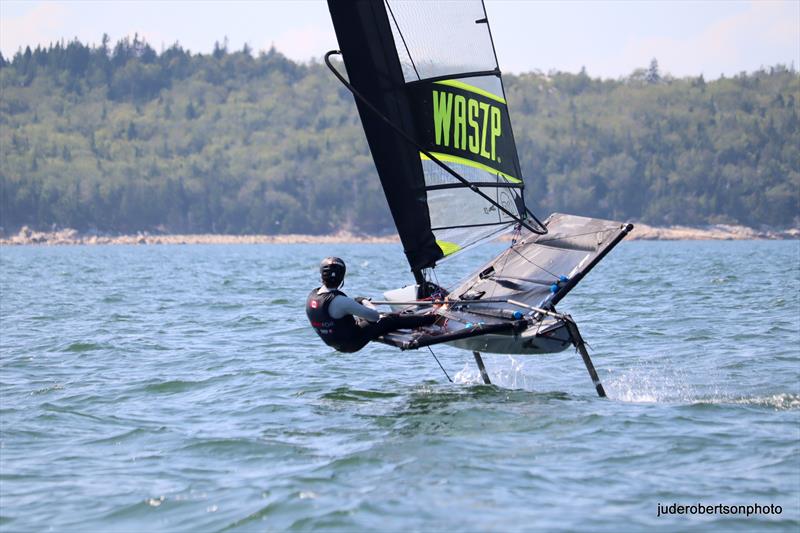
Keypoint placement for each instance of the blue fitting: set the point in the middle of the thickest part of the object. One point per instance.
(554, 288)
(517, 315)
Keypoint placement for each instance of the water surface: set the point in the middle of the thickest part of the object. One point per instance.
(179, 388)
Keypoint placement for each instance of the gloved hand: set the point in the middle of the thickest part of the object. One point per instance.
(366, 302)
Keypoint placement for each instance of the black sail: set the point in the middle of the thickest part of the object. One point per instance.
(432, 103)
(365, 39)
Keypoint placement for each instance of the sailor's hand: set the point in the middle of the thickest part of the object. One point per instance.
(366, 302)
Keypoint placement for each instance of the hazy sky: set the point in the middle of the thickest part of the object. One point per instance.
(609, 38)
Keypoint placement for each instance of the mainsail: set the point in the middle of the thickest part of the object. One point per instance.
(431, 100)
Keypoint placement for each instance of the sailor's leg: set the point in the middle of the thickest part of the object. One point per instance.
(362, 335)
(369, 331)
(392, 322)
(580, 345)
(482, 368)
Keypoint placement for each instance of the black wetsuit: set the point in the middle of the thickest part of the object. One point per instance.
(347, 334)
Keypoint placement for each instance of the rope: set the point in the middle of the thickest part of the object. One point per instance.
(534, 264)
(562, 237)
(517, 233)
(403, 38)
(440, 365)
(494, 287)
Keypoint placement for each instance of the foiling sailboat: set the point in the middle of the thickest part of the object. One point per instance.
(430, 95)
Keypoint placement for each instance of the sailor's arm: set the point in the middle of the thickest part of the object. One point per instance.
(344, 305)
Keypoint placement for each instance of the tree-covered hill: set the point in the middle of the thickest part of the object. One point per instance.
(125, 139)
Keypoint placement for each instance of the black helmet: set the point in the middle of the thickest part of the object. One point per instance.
(332, 271)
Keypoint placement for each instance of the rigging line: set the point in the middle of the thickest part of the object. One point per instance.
(440, 365)
(485, 20)
(530, 213)
(562, 237)
(402, 38)
(435, 277)
(531, 262)
(361, 98)
(483, 239)
(519, 278)
(517, 231)
(507, 223)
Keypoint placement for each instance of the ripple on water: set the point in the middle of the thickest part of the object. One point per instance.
(180, 388)
(348, 394)
(135, 434)
(244, 449)
(80, 347)
(177, 385)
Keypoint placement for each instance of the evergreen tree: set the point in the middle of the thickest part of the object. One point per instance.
(652, 75)
(121, 138)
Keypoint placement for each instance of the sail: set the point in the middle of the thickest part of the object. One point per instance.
(536, 271)
(434, 111)
(540, 270)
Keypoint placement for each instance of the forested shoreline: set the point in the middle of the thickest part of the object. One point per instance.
(123, 139)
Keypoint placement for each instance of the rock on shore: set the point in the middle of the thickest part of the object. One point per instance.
(71, 236)
(641, 232)
(717, 232)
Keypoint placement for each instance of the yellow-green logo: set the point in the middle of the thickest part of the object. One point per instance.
(466, 124)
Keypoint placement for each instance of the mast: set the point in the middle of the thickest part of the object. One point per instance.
(373, 67)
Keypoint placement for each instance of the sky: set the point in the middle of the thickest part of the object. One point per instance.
(609, 38)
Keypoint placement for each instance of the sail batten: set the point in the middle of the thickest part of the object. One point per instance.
(447, 158)
(467, 87)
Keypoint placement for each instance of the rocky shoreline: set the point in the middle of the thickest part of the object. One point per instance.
(27, 236)
(715, 232)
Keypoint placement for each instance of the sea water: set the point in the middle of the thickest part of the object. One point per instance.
(180, 388)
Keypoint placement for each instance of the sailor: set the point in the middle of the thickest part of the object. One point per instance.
(347, 324)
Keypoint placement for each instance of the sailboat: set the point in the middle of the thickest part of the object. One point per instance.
(430, 95)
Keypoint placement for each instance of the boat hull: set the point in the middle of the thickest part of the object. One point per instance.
(550, 337)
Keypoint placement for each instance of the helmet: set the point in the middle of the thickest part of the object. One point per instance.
(332, 270)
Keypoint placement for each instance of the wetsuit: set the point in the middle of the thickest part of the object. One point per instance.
(332, 314)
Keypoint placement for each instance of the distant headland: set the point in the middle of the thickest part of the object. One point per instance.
(121, 137)
(27, 236)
